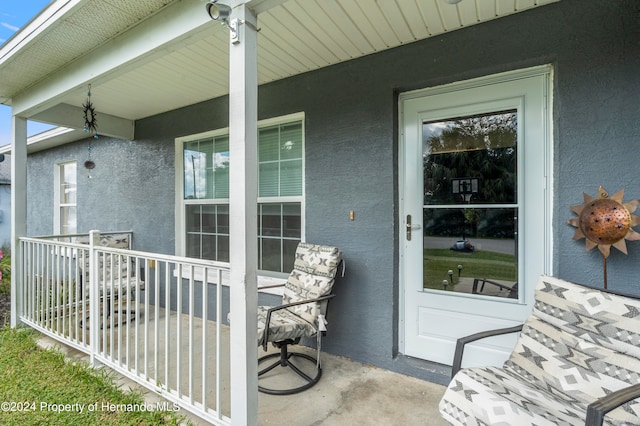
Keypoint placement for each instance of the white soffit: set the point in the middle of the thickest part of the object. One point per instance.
(49, 43)
(296, 36)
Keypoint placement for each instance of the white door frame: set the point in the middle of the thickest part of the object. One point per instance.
(546, 132)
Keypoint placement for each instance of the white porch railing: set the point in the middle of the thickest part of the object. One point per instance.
(142, 314)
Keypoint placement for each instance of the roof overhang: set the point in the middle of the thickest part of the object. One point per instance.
(145, 57)
(49, 139)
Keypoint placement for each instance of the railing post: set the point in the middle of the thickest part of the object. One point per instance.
(94, 296)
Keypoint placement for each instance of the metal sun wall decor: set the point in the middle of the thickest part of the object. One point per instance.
(90, 126)
(604, 222)
(90, 122)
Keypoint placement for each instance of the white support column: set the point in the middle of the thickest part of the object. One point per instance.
(18, 210)
(243, 147)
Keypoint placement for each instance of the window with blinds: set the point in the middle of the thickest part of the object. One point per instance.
(280, 195)
(206, 168)
(280, 160)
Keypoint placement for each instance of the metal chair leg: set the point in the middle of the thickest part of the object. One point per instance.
(284, 359)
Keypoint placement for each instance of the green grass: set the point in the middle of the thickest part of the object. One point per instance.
(477, 264)
(37, 384)
(5, 268)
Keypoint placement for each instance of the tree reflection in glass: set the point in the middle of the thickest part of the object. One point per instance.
(471, 203)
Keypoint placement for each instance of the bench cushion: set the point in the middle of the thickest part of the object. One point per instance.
(483, 396)
(573, 369)
(603, 318)
(580, 344)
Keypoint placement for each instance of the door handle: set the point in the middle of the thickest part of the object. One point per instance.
(410, 227)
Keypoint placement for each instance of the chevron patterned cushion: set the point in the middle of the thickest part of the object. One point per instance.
(580, 344)
(120, 262)
(483, 396)
(603, 318)
(313, 275)
(283, 325)
(121, 277)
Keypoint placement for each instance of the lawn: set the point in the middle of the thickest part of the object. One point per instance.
(41, 387)
(477, 264)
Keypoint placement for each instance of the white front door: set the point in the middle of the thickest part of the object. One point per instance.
(475, 206)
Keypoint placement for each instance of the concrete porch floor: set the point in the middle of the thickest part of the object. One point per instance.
(348, 393)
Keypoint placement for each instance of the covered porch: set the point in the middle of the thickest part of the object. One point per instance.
(164, 56)
(162, 76)
(169, 337)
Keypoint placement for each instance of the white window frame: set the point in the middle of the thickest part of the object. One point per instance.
(57, 193)
(264, 277)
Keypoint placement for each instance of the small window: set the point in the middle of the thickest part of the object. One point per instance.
(65, 190)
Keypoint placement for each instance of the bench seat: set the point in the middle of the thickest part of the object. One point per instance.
(580, 345)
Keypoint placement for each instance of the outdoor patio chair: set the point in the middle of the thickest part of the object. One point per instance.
(116, 276)
(302, 314)
(498, 289)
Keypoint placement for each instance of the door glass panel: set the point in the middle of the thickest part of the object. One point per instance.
(470, 204)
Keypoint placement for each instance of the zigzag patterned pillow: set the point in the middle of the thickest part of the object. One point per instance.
(314, 272)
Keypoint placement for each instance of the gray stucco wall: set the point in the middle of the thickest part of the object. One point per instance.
(131, 188)
(351, 155)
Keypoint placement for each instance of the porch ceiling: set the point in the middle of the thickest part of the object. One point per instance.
(296, 36)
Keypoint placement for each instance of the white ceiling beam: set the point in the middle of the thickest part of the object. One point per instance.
(150, 39)
(65, 115)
